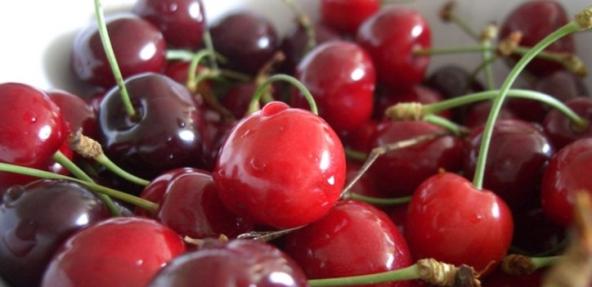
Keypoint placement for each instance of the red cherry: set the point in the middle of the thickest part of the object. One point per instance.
(418, 94)
(295, 45)
(347, 15)
(281, 167)
(372, 241)
(116, 252)
(238, 97)
(76, 112)
(365, 186)
(390, 37)
(158, 186)
(534, 232)
(32, 130)
(341, 77)
(182, 22)
(449, 220)
(561, 130)
(361, 139)
(478, 113)
(58, 168)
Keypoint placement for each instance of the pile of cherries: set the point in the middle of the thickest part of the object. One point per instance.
(224, 151)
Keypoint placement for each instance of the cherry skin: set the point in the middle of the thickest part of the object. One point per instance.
(419, 94)
(76, 112)
(449, 220)
(534, 233)
(372, 241)
(390, 37)
(477, 114)
(341, 77)
(560, 129)
(536, 20)
(116, 252)
(33, 129)
(167, 134)
(295, 45)
(399, 173)
(233, 265)
(347, 15)
(281, 167)
(562, 85)
(34, 221)
(518, 155)
(238, 97)
(158, 187)
(139, 47)
(247, 40)
(182, 22)
(500, 279)
(566, 174)
(453, 81)
(361, 139)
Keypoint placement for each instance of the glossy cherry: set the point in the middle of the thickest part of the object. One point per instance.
(32, 128)
(246, 39)
(76, 112)
(139, 47)
(240, 263)
(34, 221)
(238, 97)
(390, 37)
(449, 220)
(372, 241)
(116, 252)
(341, 77)
(361, 139)
(400, 172)
(347, 15)
(295, 45)
(419, 94)
(158, 187)
(167, 134)
(477, 114)
(453, 81)
(182, 22)
(561, 130)
(518, 155)
(281, 167)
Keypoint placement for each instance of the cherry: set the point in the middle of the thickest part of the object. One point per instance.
(247, 40)
(361, 139)
(139, 47)
(365, 186)
(341, 77)
(561, 130)
(500, 279)
(294, 45)
(32, 128)
(400, 172)
(562, 85)
(371, 241)
(517, 157)
(182, 22)
(281, 167)
(451, 221)
(116, 252)
(478, 113)
(216, 134)
(419, 94)
(390, 37)
(238, 97)
(347, 15)
(167, 134)
(158, 187)
(453, 81)
(566, 174)
(239, 263)
(34, 221)
(536, 20)
(534, 233)
(76, 112)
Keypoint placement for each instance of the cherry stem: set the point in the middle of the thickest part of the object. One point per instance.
(108, 48)
(378, 200)
(181, 55)
(451, 126)
(304, 21)
(451, 50)
(254, 104)
(483, 65)
(128, 198)
(403, 274)
(489, 33)
(63, 160)
(207, 37)
(499, 100)
(114, 168)
(447, 14)
(515, 264)
(356, 154)
(267, 235)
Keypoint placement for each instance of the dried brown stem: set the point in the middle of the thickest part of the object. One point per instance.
(85, 146)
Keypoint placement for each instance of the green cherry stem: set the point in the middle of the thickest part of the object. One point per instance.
(110, 165)
(106, 42)
(403, 274)
(567, 29)
(378, 200)
(450, 50)
(207, 37)
(516, 264)
(489, 33)
(180, 55)
(355, 154)
(192, 71)
(254, 104)
(451, 126)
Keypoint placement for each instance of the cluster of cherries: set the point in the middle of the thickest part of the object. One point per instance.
(189, 175)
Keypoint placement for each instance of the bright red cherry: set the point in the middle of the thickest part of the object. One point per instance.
(76, 112)
(449, 220)
(32, 128)
(390, 37)
(341, 77)
(420, 94)
(347, 15)
(372, 241)
(561, 130)
(139, 47)
(182, 22)
(123, 251)
(158, 187)
(281, 167)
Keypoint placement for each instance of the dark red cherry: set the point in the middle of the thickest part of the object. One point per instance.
(477, 114)
(341, 77)
(157, 188)
(281, 167)
(419, 94)
(560, 129)
(167, 134)
(139, 47)
(534, 233)
(365, 185)
(500, 279)
(182, 22)
(295, 45)
(449, 220)
(217, 131)
(361, 139)
(372, 241)
(347, 15)
(390, 37)
(240, 263)
(238, 97)
(400, 172)
(562, 85)
(536, 20)
(567, 173)
(76, 112)
(453, 81)
(116, 252)
(518, 155)
(32, 130)
(34, 221)
(247, 40)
